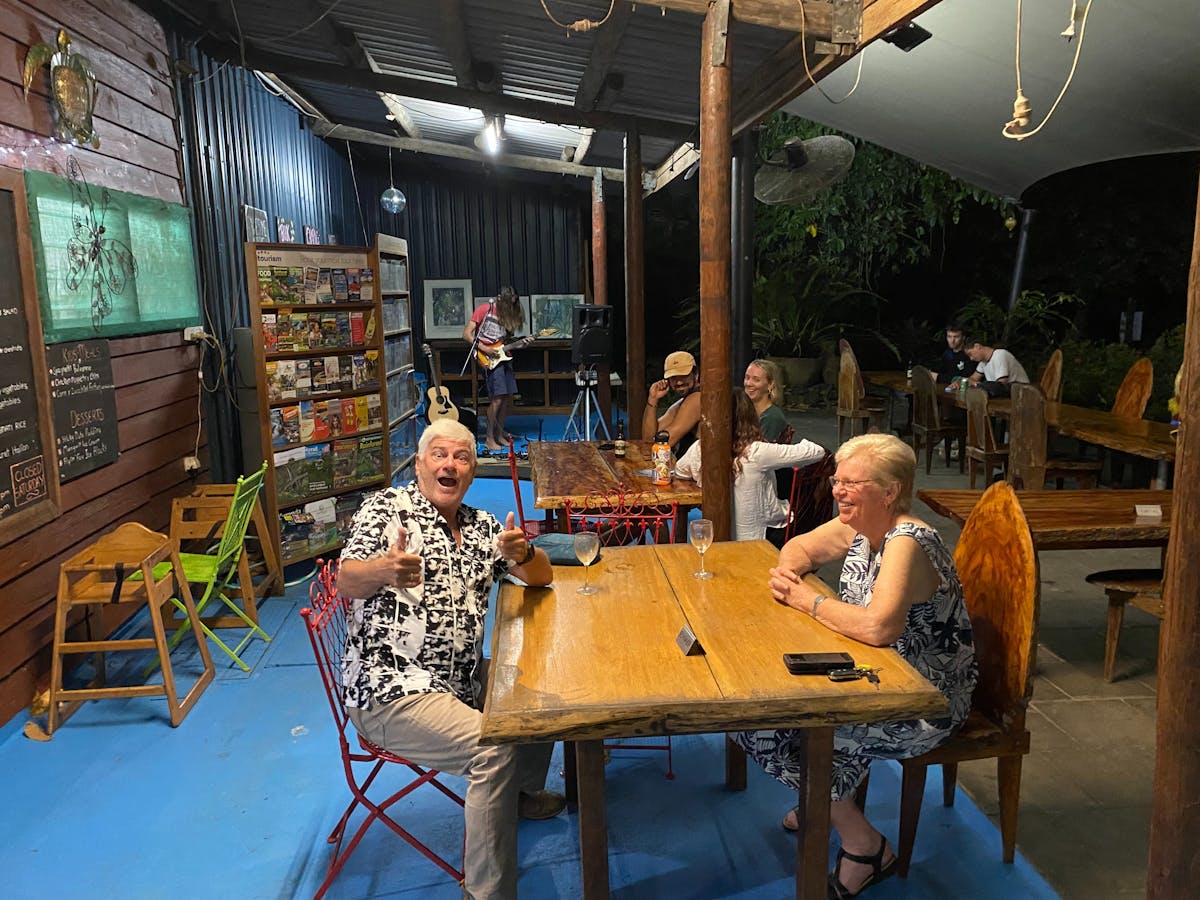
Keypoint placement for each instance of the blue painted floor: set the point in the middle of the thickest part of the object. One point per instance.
(239, 799)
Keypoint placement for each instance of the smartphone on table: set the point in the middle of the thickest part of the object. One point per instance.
(817, 663)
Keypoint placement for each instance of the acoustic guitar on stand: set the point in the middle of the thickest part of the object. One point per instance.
(495, 354)
(439, 406)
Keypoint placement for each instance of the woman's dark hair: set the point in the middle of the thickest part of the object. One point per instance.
(508, 309)
(746, 429)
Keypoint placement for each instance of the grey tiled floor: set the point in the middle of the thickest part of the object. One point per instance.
(1086, 785)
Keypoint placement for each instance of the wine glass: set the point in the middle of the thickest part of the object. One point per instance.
(587, 545)
(701, 534)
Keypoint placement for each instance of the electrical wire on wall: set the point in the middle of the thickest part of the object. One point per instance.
(808, 72)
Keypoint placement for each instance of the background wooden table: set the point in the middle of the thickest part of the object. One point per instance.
(583, 668)
(571, 470)
(1073, 520)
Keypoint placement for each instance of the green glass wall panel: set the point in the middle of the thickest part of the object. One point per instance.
(160, 296)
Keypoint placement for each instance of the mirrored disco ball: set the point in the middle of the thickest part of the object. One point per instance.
(393, 200)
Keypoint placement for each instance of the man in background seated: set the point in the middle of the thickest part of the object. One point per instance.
(419, 564)
(994, 365)
(681, 375)
(954, 362)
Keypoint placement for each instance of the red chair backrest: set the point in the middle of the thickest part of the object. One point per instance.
(811, 500)
(530, 531)
(621, 516)
(325, 619)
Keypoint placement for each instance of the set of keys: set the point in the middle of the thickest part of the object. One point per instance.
(868, 672)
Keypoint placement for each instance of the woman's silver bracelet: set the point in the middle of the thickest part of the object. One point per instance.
(817, 601)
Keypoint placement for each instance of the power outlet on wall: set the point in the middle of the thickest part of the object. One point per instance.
(191, 464)
(194, 333)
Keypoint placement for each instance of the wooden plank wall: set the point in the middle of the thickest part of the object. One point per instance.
(155, 375)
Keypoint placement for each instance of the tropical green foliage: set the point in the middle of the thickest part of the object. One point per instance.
(888, 213)
(797, 311)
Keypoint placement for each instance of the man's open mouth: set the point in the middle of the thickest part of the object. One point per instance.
(448, 482)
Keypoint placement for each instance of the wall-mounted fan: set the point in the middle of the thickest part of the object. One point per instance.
(803, 169)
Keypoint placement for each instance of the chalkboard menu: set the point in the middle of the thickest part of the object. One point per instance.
(85, 406)
(28, 472)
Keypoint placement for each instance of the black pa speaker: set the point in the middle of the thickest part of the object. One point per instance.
(591, 338)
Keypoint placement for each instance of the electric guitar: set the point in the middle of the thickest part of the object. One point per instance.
(439, 406)
(495, 354)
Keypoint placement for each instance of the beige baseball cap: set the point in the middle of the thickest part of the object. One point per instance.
(679, 363)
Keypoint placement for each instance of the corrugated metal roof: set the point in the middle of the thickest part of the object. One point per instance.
(658, 57)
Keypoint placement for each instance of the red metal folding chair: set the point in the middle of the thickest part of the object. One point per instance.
(325, 619)
(621, 516)
(531, 529)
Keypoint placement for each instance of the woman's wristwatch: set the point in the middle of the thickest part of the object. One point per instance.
(817, 601)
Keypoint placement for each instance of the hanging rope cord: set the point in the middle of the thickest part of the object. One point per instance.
(1021, 107)
(580, 25)
(808, 72)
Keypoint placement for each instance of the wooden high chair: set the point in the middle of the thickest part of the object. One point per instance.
(99, 576)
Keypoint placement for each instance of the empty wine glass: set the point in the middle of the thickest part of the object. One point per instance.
(701, 534)
(587, 545)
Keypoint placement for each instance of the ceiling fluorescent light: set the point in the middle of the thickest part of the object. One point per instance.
(491, 137)
(907, 36)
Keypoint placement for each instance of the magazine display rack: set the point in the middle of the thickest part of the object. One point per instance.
(317, 333)
(390, 260)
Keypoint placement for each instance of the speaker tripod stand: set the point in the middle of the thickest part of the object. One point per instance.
(586, 379)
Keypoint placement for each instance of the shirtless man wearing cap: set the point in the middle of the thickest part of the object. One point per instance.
(680, 375)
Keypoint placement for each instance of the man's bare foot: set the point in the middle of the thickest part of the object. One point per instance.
(490, 445)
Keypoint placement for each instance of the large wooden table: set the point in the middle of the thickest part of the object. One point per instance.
(1137, 437)
(569, 667)
(572, 470)
(1073, 520)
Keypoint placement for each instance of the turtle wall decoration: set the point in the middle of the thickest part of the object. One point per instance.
(72, 88)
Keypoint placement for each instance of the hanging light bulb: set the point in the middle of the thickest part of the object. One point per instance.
(392, 200)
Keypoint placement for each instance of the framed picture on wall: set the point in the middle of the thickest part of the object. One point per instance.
(526, 314)
(257, 226)
(311, 235)
(554, 311)
(285, 229)
(449, 303)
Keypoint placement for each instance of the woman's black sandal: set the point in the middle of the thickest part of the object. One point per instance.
(838, 891)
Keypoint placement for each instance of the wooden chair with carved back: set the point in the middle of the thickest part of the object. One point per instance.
(1130, 403)
(983, 450)
(853, 404)
(998, 567)
(1028, 463)
(1134, 392)
(1050, 380)
(929, 425)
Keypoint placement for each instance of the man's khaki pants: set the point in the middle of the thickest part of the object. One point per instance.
(441, 732)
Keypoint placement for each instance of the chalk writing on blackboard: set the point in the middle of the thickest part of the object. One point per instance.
(84, 402)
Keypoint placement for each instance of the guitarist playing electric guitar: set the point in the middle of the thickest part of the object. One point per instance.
(490, 325)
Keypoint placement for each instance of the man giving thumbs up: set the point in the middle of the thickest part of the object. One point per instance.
(421, 563)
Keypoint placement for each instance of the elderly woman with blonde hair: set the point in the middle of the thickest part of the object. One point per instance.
(898, 588)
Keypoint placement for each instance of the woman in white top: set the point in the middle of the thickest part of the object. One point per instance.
(756, 505)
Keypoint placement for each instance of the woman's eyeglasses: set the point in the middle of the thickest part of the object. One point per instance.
(847, 483)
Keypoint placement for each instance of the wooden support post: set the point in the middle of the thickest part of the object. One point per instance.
(1174, 814)
(716, 150)
(600, 288)
(635, 292)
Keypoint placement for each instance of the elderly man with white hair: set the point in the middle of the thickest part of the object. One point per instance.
(420, 564)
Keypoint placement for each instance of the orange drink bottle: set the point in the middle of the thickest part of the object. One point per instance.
(660, 458)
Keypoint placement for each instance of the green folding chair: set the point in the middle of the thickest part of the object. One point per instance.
(204, 517)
